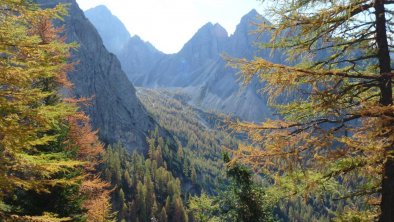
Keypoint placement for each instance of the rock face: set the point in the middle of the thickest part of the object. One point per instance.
(185, 68)
(112, 31)
(115, 109)
(200, 71)
(137, 55)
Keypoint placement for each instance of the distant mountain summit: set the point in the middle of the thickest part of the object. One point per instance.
(111, 29)
(209, 41)
(242, 42)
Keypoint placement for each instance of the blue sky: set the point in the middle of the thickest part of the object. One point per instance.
(169, 24)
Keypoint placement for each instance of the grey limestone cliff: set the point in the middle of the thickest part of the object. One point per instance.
(115, 109)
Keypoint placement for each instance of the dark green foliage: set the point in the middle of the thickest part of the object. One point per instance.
(62, 201)
(244, 200)
(145, 188)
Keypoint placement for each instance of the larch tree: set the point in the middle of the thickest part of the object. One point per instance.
(48, 152)
(334, 95)
(28, 63)
(202, 208)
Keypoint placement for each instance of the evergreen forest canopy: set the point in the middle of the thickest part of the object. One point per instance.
(328, 156)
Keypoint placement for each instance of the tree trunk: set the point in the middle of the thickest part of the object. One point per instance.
(386, 99)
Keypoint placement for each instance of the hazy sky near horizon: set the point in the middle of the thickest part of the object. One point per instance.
(169, 24)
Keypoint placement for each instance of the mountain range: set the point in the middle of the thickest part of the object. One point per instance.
(198, 69)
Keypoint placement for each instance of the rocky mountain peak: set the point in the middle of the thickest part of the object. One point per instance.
(111, 29)
(219, 31)
(250, 15)
(208, 42)
(100, 9)
(246, 23)
(248, 20)
(242, 42)
(210, 30)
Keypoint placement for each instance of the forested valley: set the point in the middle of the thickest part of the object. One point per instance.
(288, 118)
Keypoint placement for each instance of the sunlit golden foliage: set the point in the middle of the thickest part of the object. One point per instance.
(90, 150)
(84, 140)
(29, 104)
(335, 133)
(98, 203)
(45, 144)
